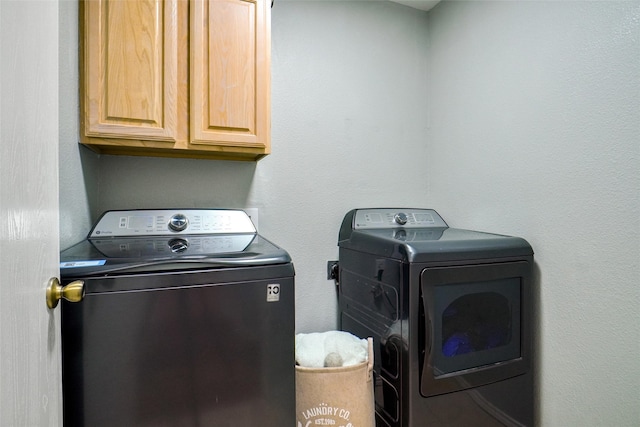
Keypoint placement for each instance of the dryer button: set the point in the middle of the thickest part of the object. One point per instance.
(401, 218)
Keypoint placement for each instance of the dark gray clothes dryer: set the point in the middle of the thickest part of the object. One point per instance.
(451, 314)
(187, 319)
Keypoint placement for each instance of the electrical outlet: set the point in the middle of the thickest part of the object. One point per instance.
(332, 271)
(253, 214)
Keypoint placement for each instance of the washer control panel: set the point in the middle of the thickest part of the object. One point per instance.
(162, 222)
(394, 218)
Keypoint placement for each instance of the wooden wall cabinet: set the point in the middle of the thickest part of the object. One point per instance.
(176, 78)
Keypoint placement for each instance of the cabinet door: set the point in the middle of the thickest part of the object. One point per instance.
(130, 73)
(230, 75)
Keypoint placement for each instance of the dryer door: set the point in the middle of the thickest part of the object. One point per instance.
(477, 325)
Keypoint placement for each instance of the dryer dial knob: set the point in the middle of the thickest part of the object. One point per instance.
(178, 222)
(401, 218)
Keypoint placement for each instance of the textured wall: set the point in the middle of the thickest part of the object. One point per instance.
(535, 130)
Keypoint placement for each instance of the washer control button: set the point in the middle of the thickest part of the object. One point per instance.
(178, 222)
(401, 218)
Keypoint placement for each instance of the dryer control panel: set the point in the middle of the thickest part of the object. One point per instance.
(397, 217)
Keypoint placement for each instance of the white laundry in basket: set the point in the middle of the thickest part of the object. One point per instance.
(331, 348)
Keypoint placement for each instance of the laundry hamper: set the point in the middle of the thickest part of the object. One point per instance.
(340, 397)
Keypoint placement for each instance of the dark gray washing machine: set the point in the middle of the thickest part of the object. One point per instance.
(451, 314)
(187, 319)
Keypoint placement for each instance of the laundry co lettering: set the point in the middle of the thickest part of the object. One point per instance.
(327, 411)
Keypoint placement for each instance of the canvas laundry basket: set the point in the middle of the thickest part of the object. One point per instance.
(339, 397)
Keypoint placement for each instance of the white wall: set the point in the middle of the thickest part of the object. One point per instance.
(78, 166)
(348, 130)
(535, 131)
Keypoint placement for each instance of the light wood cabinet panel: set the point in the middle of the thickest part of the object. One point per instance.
(176, 78)
(131, 69)
(229, 78)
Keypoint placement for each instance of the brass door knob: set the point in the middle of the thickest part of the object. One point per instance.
(73, 292)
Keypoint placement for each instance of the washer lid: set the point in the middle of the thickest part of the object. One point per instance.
(150, 240)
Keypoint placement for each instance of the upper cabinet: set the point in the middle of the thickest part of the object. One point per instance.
(176, 78)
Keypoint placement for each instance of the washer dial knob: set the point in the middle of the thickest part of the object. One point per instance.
(178, 246)
(178, 222)
(401, 218)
